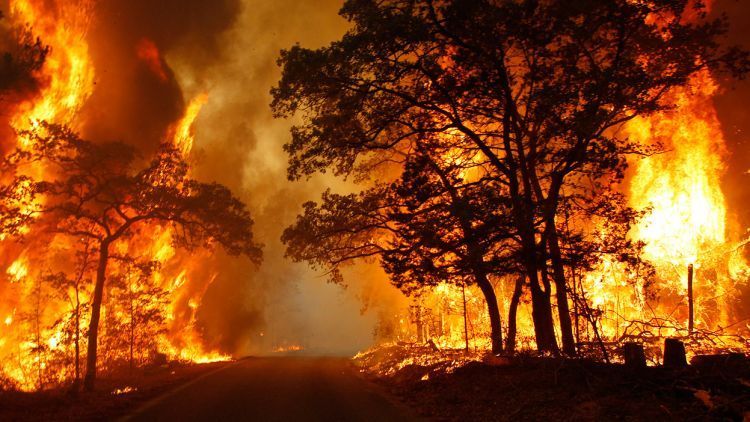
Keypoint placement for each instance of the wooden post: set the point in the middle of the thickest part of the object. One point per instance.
(416, 319)
(691, 315)
(420, 326)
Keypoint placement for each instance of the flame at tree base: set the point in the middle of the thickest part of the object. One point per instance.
(686, 224)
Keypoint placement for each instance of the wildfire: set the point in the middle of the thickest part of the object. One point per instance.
(287, 349)
(688, 217)
(686, 223)
(18, 270)
(66, 82)
(68, 72)
(182, 132)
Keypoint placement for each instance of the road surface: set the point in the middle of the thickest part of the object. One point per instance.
(276, 389)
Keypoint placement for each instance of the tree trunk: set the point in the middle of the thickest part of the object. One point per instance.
(523, 211)
(493, 310)
(132, 327)
(541, 313)
(510, 345)
(691, 314)
(576, 310)
(420, 326)
(38, 331)
(96, 304)
(561, 293)
(555, 255)
(78, 339)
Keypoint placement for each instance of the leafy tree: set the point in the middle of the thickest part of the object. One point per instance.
(434, 224)
(103, 192)
(538, 88)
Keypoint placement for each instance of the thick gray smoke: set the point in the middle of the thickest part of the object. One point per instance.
(228, 49)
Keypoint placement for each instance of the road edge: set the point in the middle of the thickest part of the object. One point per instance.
(158, 399)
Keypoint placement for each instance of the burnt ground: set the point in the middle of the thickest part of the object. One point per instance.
(529, 388)
(104, 403)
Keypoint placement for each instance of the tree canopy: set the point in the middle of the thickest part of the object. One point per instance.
(534, 91)
(105, 192)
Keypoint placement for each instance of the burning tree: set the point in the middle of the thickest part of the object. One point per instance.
(104, 192)
(536, 90)
(18, 65)
(141, 306)
(72, 289)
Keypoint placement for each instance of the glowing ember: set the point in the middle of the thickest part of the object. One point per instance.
(124, 390)
(286, 349)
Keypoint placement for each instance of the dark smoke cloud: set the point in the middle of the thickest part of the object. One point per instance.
(732, 107)
(131, 102)
(228, 49)
(241, 147)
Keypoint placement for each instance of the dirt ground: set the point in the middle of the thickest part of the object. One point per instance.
(114, 396)
(532, 388)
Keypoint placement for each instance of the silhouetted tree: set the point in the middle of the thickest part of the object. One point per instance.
(435, 224)
(104, 193)
(24, 56)
(538, 88)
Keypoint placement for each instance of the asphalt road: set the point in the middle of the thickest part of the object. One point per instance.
(276, 389)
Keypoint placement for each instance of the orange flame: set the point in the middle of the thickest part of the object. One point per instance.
(66, 83)
(686, 223)
(182, 133)
(149, 53)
